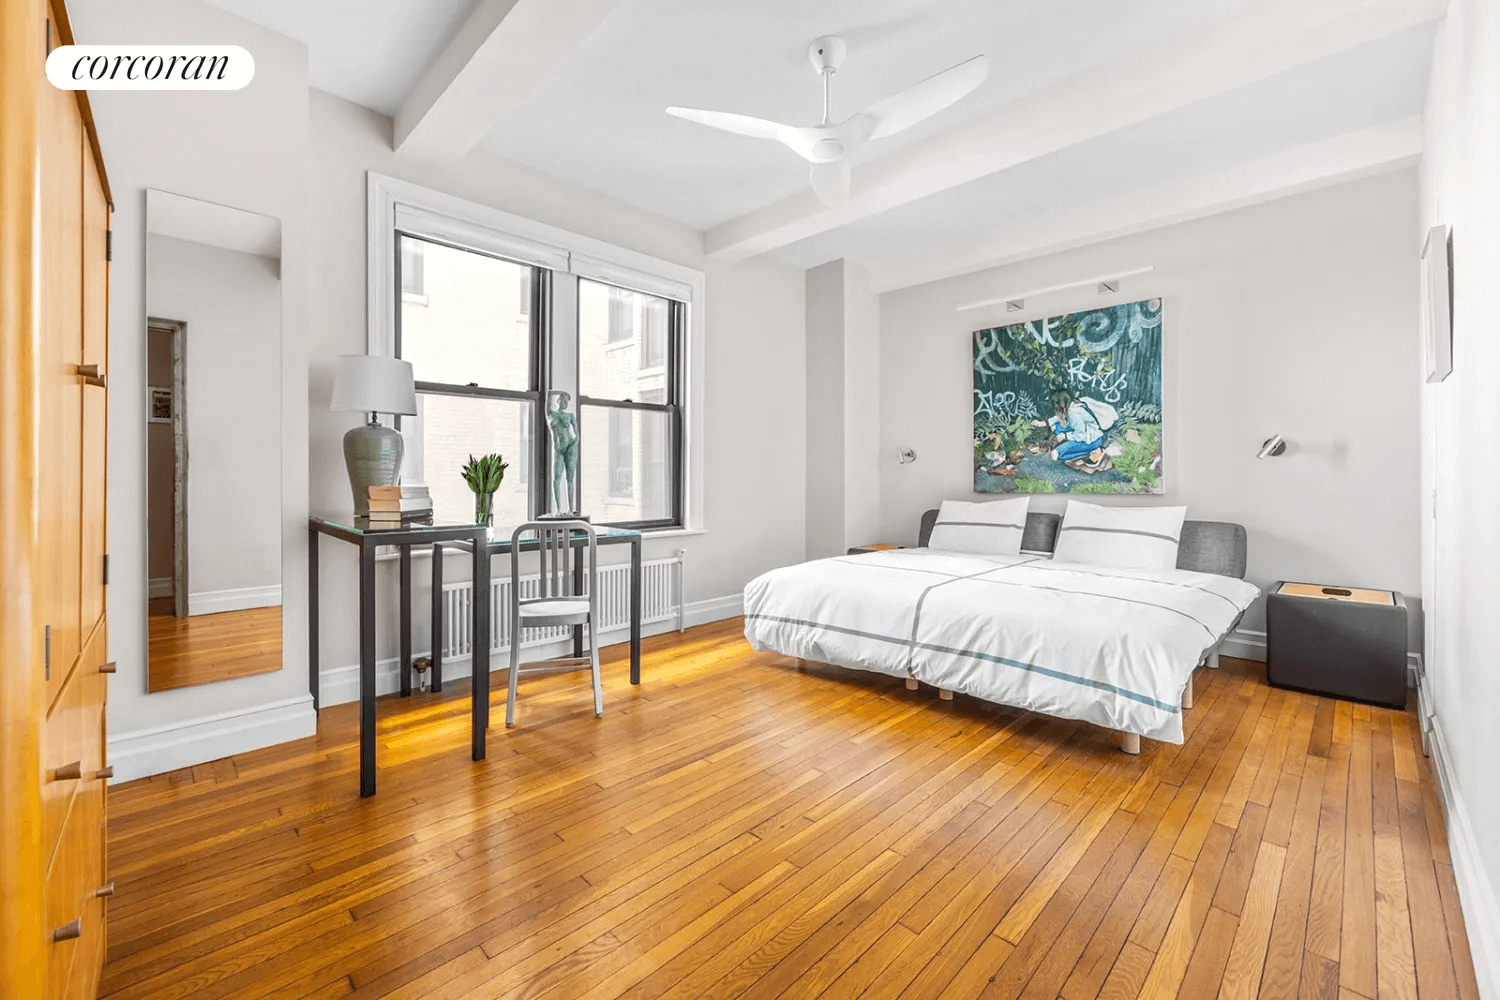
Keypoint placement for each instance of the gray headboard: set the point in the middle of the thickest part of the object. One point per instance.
(1205, 547)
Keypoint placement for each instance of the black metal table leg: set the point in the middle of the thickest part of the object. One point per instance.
(480, 660)
(312, 615)
(635, 610)
(437, 618)
(366, 670)
(406, 620)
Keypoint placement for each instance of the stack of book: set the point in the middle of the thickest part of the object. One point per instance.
(399, 506)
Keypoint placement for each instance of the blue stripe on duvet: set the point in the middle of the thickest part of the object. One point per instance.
(1033, 668)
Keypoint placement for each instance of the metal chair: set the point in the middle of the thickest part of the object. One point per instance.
(555, 603)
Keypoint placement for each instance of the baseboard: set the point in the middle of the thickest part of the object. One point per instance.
(1475, 890)
(340, 685)
(145, 752)
(212, 602)
(161, 586)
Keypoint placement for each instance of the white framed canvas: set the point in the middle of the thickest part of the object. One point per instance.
(159, 405)
(1437, 302)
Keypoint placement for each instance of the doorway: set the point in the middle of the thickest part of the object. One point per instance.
(167, 467)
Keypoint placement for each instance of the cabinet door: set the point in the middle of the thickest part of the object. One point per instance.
(95, 352)
(61, 146)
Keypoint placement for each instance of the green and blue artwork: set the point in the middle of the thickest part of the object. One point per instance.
(1070, 404)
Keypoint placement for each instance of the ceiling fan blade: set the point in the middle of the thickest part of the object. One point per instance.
(830, 182)
(928, 97)
(757, 128)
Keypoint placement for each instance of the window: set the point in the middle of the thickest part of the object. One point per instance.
(495, 312)
(628, 414)
(473, 351)
(621, 315)
(621, 453)
(411, 268)
(654, 333)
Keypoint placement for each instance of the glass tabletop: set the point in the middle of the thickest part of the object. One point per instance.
(498, 534)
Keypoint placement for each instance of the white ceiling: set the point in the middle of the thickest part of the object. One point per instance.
(205, 222)
(1380, 82)
(598, 119)
(371, 52)
(593, 113)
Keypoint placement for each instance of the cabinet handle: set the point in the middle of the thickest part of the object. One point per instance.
(105, 772)
(68, 932)
(107, 668)
(68, 771)
(105, 891)
(91, 375)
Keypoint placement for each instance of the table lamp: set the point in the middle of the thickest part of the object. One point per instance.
(373, 453)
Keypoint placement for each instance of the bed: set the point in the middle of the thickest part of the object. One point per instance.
(1114, 647)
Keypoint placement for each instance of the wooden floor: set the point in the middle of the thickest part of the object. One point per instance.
(202, 649)
(738, 827)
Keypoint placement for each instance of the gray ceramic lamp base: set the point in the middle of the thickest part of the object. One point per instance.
(373, 454)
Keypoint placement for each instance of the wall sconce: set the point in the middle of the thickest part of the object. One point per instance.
(905, 456)
(1272, 446)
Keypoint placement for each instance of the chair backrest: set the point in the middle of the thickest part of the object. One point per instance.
(555, 543)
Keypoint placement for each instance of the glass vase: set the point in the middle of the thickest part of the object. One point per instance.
(484, 509)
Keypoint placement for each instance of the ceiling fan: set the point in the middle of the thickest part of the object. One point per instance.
(829, 146)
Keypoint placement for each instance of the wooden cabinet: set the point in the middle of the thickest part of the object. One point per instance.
(54, 343)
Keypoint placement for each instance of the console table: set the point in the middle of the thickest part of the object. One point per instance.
(367, 540)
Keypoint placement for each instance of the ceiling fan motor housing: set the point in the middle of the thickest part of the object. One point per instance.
(827, 53)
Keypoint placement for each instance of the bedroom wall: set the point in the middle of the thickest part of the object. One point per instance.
(246, 149)
(1461, 544)
(283, 150)
(755, 419)
(1296, 317)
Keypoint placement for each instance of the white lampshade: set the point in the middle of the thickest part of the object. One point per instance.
(373, 385)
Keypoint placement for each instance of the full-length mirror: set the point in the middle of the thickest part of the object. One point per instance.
(213, 441)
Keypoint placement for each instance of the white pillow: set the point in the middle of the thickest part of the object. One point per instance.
(992, 529)
(1124, 537)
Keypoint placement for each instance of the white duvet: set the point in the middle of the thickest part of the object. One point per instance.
(1110, 646)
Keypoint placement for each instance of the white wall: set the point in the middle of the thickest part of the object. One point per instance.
(246, 149)
(1461, 550)
(843, 409)
(1295, 317)
(231, 303)
(755, 424)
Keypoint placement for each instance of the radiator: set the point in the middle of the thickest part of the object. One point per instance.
(661, 600)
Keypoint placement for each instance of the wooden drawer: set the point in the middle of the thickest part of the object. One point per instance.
(71, 894)
(73, 734)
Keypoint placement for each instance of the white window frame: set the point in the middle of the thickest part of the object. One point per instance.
(423, 212)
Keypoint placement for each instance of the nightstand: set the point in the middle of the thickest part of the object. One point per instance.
(862, 549)
(1340, 641)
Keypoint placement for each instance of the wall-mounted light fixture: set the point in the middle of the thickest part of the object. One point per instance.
(1272, 446)
(1107, 284)
(905, 456)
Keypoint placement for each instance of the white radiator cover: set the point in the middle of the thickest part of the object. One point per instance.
(661, 600)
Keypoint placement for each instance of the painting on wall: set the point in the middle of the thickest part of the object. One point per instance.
(1071, 404)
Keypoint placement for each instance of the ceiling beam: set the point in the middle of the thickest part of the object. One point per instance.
(1303, 168)
(1262, 39)
(502, 52)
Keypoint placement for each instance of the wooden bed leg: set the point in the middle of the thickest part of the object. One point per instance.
(1130, 742)
(1187, 693)
(945, 694)
(911, 684)
(1213, 658)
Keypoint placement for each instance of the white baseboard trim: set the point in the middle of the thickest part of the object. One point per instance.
(340, 685)
(1475, 890)
(212, 602)
(145, 752)
(161, 586)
